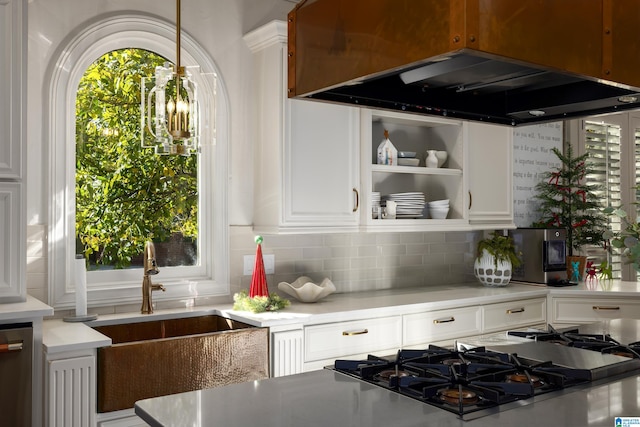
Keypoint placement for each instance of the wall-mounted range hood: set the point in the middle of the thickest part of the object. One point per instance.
(511, 62)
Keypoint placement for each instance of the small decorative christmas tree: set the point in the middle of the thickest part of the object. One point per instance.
(566, 201)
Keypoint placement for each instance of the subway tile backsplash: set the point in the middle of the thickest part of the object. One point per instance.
(355, 262)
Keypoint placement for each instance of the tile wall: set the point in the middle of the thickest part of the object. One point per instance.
(353, 261)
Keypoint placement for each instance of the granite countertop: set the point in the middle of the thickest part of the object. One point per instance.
(323, 398)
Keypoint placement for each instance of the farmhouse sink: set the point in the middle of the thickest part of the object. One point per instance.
(161, 357)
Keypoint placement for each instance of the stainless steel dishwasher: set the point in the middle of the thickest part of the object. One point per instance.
(16, 354)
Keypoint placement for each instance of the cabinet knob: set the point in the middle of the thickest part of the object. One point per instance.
(600, 307)
(450, 319)
(515, 310)
(470, 200)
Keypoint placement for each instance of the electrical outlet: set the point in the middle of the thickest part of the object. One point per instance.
(250, 261)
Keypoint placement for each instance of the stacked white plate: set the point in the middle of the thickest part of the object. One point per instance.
(409, 205)
(438, 209)
(375, 203)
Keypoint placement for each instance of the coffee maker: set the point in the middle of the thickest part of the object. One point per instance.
(543, 254)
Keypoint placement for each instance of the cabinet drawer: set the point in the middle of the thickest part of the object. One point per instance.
(335, 340)
(423, 328)
(571, 310)
(513, 314)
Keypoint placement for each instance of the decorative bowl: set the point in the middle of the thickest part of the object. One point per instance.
(403, 161)
(406, 154)
(304, 290)
(438, 212)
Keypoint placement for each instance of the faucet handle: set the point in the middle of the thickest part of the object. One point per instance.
(158, 287)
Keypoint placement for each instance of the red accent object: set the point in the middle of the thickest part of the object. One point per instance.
(555, 176)
(259, 287)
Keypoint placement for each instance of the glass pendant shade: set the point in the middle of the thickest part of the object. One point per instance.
(170, 111)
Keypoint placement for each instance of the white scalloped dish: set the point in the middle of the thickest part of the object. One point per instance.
(304, 290)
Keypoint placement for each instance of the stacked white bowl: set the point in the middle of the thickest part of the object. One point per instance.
(438, 209)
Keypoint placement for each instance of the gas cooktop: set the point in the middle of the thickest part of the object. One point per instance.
(472, 381)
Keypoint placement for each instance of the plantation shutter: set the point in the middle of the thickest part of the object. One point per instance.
(603, 143)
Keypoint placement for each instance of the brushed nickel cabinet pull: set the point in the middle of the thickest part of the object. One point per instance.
(515, 310)
(351, 333)
(600, 307)
(6, 348)
(450, 319)
(355, 190)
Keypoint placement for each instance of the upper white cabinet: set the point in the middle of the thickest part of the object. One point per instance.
(12, 86)
(490, 175)
(476, 177)
(306, 153)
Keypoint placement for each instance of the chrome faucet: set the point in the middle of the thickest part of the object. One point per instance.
(150, 267)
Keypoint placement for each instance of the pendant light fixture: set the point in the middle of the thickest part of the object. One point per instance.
(169, 111)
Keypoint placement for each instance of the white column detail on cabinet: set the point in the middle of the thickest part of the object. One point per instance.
(306, 153)
(13, 53)
(71, 390)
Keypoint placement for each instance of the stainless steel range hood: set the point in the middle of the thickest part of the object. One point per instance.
(500, 61)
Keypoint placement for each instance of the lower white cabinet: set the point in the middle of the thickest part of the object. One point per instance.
(514, 314)
(326, 342)
(421, 329)
(71, 391)
(574, 310)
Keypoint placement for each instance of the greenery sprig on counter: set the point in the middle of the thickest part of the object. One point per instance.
(258, 304)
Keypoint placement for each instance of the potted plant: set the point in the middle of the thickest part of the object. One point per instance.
(627, 239)
(495, 260)
(566, 201)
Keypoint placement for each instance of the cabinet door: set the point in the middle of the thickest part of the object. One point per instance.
(12, 86)
(321, 165)
(12, 244)
(490, 179)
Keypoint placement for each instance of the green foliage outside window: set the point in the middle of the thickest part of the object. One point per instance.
(126, 195)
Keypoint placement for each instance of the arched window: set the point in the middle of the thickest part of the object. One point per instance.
(82, 121)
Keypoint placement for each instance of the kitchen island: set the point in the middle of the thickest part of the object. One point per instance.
(327, 398)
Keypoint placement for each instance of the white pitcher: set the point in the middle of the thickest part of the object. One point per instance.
(431, 160)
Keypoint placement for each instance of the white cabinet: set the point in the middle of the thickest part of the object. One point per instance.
(576, 310)
(13, 73)
(490, 153)
(306, 153)
(13, 51)
(476, 177)
(418, 134)
(324, 343)
(421, 329)
(513, 314)
(12, 243)
(287, 352)
(71, 391)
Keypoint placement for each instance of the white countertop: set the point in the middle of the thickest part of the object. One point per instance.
(29, 309)
(62, 336)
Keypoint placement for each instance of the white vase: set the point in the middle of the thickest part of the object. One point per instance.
(489, 274)
(432, 159)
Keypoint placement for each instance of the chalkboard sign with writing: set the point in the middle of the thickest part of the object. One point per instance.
(532, 157)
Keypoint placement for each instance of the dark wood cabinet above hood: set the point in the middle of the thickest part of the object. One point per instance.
(503, 61)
